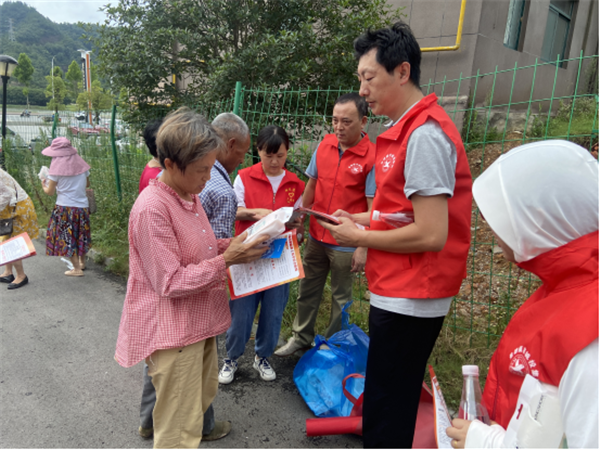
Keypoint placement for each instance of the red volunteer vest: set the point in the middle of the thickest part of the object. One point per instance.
(558, 321)
(341, 181)
(258, 192)
(427, 274)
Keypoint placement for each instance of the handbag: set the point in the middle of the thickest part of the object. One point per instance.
(91, 200)
(6, 225)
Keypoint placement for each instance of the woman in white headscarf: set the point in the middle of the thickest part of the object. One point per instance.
(541, 202)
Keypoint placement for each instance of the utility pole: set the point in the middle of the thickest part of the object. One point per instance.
(52, 75)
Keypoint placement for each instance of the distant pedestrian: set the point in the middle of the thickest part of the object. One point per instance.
(15, 203)
(152, 169)
(69, 226)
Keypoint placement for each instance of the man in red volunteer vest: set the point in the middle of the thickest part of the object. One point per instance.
(341, 176)
(413, 271)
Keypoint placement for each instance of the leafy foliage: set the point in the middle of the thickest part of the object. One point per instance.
(57, 90)
(98, 97)
(24, 73)
(210, 44)
(73, 78)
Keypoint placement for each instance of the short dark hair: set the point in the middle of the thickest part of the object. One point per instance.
(394, 45)
(150, 135)
(185, 137)
(270, 139)
(361, 104)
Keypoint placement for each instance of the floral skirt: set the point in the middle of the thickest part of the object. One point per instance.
(68, 232)
(25, 219)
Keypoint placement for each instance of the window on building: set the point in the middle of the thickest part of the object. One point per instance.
(514, 22)
(557, 30)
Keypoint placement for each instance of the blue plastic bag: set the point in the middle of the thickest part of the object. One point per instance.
(320, 372)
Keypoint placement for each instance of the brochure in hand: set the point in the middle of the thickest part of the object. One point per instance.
(272, 225)
(441, 415)
(16, 248)
(319, 215)
(257, 276)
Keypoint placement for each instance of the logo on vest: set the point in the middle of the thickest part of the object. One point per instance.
(521, 363)
(388, 162)
(290, 194)
(355, 168)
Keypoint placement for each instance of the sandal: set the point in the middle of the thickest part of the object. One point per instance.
(72, 273)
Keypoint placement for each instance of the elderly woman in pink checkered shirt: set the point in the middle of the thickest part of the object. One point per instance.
(176, 301)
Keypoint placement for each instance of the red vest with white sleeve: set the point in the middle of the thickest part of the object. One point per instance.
(427, 274)
(558, 321)
(341, 181)
(258, 192)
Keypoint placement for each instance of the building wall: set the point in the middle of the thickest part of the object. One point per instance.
(435, 23)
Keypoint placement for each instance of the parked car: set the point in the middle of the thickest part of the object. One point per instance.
(80, 115)
(85, 129)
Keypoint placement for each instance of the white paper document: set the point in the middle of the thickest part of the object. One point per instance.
(440, 413)
(262, 274)
(16, 248)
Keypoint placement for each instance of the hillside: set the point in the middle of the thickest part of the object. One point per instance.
(40, 39)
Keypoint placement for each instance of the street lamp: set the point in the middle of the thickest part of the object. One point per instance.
(7, 66)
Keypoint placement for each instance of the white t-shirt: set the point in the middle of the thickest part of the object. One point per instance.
(70, 191)
(238, 187)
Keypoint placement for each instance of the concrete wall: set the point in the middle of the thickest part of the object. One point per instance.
(435, 23)
(490, 51)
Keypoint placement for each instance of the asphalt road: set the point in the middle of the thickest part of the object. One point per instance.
(61, 388)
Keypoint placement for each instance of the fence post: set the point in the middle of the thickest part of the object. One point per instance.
(114, 151)
(238, 98)
(54, 124)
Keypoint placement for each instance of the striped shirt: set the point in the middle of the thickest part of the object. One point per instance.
(219, 201)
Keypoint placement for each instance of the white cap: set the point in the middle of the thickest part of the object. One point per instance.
(375, 215)
(470, 370)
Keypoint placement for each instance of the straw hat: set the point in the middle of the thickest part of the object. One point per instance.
(60, 147)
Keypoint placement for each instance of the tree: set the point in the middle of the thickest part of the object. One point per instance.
(57, 90)
(99, 98)
(24, 73)
(73, 78)
(214, 43)
(58, 72)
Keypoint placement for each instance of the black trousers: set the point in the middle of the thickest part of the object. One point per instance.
(398, 352)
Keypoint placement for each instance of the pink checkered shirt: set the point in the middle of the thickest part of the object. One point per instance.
(176, 294)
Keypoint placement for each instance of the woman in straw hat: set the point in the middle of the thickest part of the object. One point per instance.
(69, 226)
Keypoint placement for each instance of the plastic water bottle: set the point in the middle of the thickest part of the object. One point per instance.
(470, 400)
(396, 220)
(68, 263)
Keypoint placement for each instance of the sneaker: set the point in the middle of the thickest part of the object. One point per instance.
(227, 372)
(290, 348)
(264, 368)
(146, 433)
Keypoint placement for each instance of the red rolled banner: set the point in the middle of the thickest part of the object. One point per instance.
(334, 425)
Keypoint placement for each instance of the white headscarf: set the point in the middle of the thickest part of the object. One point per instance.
(540, 196)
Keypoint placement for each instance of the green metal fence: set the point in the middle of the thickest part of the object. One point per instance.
(493, 289)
